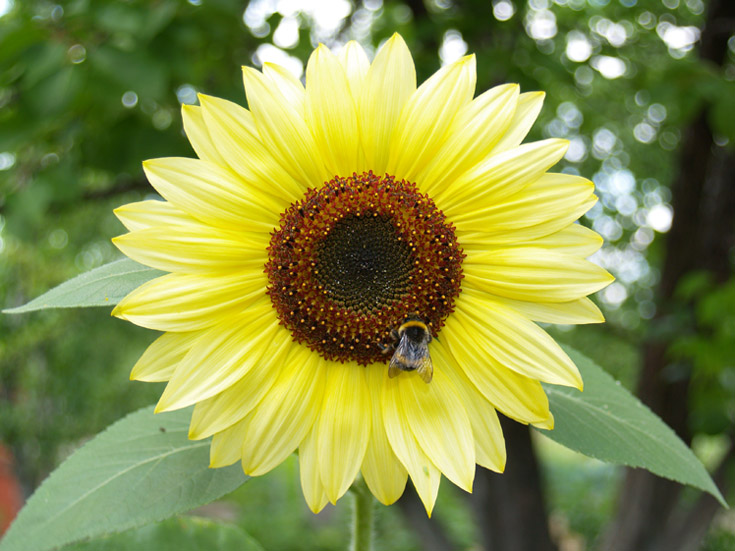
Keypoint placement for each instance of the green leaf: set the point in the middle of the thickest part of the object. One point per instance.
(103, 286)
(177, 534)
(608, 423)
(141, 469)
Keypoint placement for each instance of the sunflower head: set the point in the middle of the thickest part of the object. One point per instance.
(321, 240)
(356, 256)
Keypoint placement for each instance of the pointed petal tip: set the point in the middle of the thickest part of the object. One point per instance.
(428, 501)
(545, 424)
(560, 144)
(166, 403)
(249, 73)
(464, 61)
(149, 166)
(195, 433)
(536, 96)
(396, 38)
(467, 485)
(117, 210)
(512, 89)
(204, 99)
(117, 312)
(387, 500)
(316, 508)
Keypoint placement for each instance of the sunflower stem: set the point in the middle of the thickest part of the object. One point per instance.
(362, 521)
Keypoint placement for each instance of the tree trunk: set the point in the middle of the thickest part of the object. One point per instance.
(701, 235)
(509, 507)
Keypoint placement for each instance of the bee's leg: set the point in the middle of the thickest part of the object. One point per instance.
(385, 348)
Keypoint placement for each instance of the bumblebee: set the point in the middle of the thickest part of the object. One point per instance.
(411, 345)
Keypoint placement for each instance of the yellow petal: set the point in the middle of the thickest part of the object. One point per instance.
(472, 135)
(516, 342)
(211, 194)
(286, 83)
(330, 113)
(440, 424)
(516, 396)
(198, 134)
(311, 482)
(548, 424)
(390, 81)
(235, 402)
(343, 427)
(194, 247)
(422, 126)
(550, 197)
(356, 64)
(236, 137)
(383, 472)
(423, 472)
(221, 357)
(189, 302)
(529, 106)
(486, 430)
(161, 358)
(574, 240)
(280, 423)
(226, 447)
(574, 312)
(145, 214)
(496, 178)
(284, 131)
(533, 274)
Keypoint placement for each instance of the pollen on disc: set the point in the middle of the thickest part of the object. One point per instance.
(354, 257)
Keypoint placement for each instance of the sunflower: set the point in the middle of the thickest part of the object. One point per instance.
(334, 229)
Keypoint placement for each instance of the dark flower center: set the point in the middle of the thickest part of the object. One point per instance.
(353, 258)
(363, 264)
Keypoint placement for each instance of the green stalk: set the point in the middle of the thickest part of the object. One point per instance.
(362, 521)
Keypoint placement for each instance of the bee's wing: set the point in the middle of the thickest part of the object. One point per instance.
(401, 360)
(426, 368)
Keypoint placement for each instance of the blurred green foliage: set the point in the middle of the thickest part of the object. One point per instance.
(711, 351)
(89, 89)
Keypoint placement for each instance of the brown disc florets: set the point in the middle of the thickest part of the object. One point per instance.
(353, 258)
